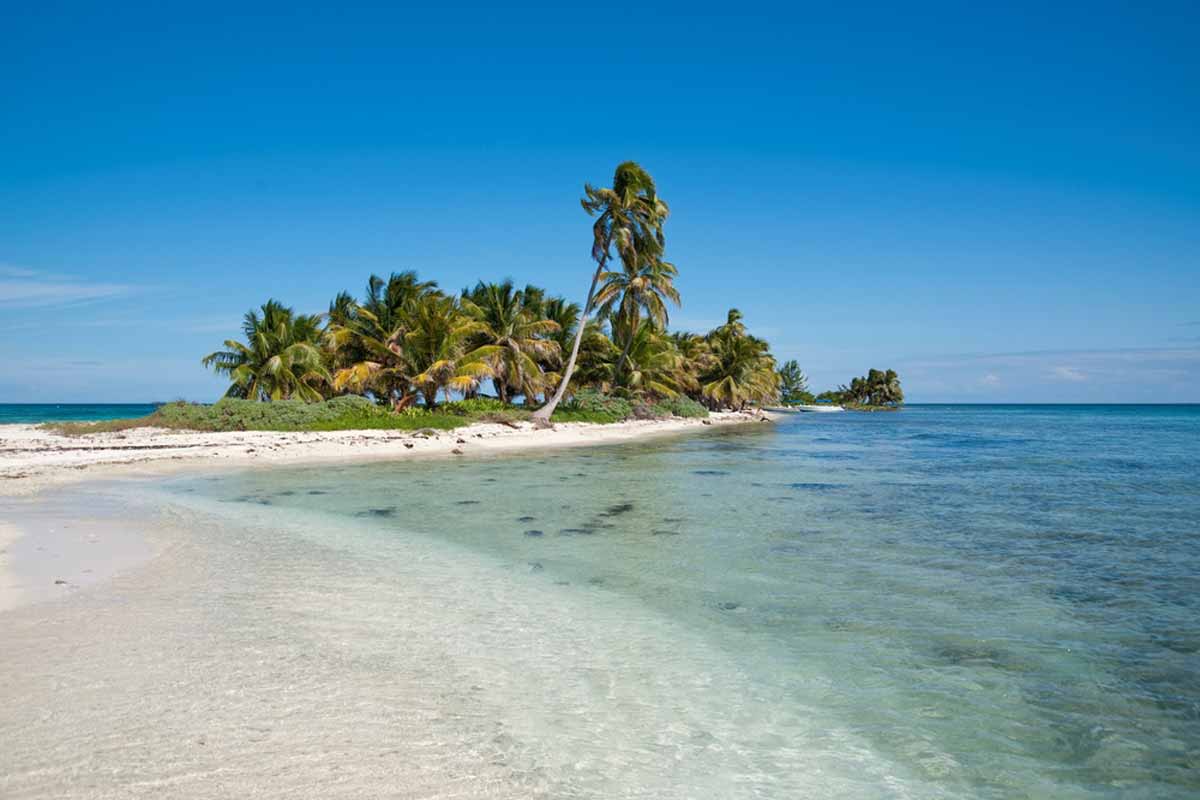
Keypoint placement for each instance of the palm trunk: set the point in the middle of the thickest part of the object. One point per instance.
(541, 417)
(633, 326)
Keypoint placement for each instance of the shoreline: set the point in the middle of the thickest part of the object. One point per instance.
(33, 459)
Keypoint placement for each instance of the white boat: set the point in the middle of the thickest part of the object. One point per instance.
(828, 408)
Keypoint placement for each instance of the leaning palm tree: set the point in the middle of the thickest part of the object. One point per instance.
(279, 360)
(517, 333)
(597, 363)
(629, 218)
(647, 287)
(566, 315)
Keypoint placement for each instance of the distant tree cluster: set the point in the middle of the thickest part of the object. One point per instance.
(878, 388)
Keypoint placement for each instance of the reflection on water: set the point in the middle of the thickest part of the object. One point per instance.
(985, 602)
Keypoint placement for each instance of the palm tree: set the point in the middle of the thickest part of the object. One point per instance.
(743, 370)
(629, 217)
(280, 359)
(533, 299)
(882, 388)
(628, 292)
(436, 348)
(517, 333)
(652, 360)
(365, 337)
(597, 358)
(387, 301)
(696, 359)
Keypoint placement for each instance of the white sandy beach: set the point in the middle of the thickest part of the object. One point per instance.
(32, 458)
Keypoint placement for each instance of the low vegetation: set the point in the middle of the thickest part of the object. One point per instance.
(352, 412)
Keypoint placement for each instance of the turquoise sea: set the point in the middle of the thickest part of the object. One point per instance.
(37, 413)
(946, 601)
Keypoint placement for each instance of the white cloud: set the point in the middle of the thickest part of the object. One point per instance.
(24, 288)
(991, 379)
(1068, 374)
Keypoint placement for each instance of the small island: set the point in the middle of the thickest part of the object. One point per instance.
(408, 368)
(408, 355)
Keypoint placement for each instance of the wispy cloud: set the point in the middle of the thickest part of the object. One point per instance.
(1157, 374)
(1068, 374)
(25, 288)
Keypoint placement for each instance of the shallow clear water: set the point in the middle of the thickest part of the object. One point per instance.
(940, 602)
(36, 413)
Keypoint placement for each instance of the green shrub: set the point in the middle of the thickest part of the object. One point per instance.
(348, 412)
(574, 415)
(681, 407)
(590, 401)
(352, 412)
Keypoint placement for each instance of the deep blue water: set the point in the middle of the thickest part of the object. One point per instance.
(34, 413)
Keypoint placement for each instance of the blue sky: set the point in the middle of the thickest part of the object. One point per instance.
(1002, 204)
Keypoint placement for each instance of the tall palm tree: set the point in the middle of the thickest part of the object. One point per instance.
(647, 287)
(517, 333)
(629, 218)
(280, 359)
